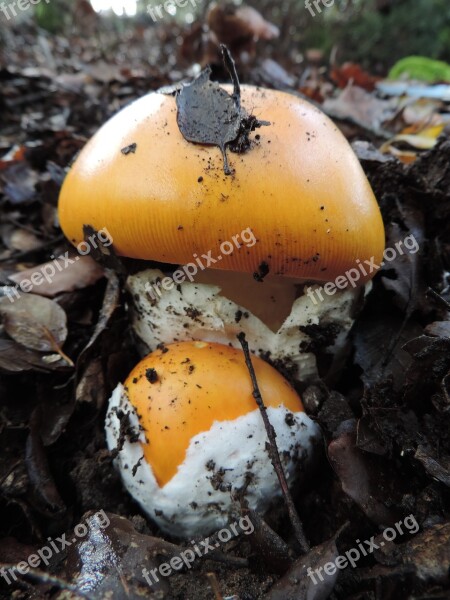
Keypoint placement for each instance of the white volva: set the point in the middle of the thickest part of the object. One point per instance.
(198, 499)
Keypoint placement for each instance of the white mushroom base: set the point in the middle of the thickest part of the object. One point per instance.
(198, 500)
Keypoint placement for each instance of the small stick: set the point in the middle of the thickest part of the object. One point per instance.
(438, 297)
(214, 585)
(230, 66)
(272, 450)
(42, 577)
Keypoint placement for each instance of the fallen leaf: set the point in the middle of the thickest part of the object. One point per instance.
(406, 266)
(81, 273)
(15, 358)
(43, 490)
(355, 74)
(434, 467)
(23, 240)
(270, 548)
(361, 107)
(364, 477)
(438, 329)
(296, 584)
(414, 90)
(109, 561)
(19, 183)
(429, 553)
(420, 68)
(425, 140)
(35, 322)
(207, 114)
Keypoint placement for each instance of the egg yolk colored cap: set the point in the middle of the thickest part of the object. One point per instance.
(300, 191)
(182, 390)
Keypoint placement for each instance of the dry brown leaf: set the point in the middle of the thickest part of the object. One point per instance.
(35, 322)
(80, 273)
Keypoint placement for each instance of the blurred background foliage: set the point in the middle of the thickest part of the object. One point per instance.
(375, 33)
(367, 31)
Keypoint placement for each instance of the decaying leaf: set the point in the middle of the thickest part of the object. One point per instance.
(15, 358)
(35, 322)
(109, 561)
(434, 467)
(429, 553)
(91, 387)
(426, 139)
(364, 477)
(362, 108)
(45, 496)
(82, 272)
(20, 181)
(297, 584)
(272, 550)
(207, 114)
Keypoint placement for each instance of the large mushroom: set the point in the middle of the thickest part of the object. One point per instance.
(297, 210)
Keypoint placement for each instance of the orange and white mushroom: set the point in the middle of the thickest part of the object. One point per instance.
(194, 435)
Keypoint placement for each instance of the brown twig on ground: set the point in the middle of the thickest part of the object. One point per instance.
(41, 577)
(438, 297)
(214, 585)
(272, 450)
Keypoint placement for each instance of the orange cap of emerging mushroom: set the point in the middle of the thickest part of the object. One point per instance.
(300, 189)
(182, 390)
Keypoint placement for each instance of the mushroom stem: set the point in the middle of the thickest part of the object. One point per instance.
(272, 450)
(271, 301)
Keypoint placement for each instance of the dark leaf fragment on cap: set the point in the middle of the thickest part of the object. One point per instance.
(207, 114)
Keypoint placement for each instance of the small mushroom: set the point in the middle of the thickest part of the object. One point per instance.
(188, 435)
(298, 191)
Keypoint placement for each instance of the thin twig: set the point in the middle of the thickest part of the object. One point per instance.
(272, 450)
(438, 297)
(214, 585)
(230, 66)
(39, 576)
(56, 347)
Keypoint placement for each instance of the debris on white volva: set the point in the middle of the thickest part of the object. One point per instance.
(199, 311)
(230, 456)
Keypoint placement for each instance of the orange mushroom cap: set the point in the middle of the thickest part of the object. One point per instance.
(182, 390)
(300, 189)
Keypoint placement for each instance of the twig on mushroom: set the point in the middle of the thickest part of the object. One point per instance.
(272, 450)
(230, 66)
